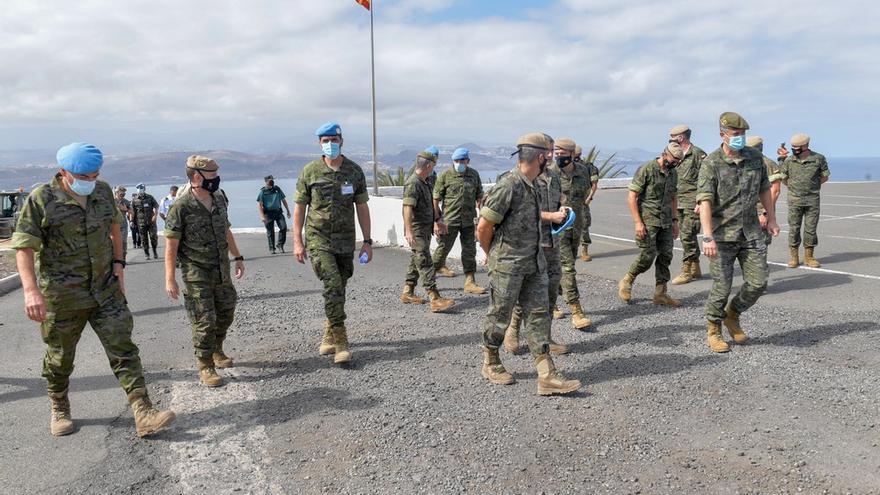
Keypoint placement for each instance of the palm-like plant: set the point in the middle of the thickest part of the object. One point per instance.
(387, 179)
(608, 169)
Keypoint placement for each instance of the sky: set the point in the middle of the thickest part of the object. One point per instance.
(263, 74)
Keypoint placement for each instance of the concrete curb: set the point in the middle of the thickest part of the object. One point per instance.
(9, 284)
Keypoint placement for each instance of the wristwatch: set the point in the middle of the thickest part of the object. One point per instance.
(707, 238)
(368, 241)
(238, 258)
(120, 262)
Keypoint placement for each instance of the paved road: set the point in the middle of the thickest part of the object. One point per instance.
(796, 409)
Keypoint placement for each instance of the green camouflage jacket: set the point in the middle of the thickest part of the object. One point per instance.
(143, 206)
(773, 175)
(575, 186)
(514, 206)
(656, 190)
(804, 178)
(331, 197)
(417, 193)
(459, 195)
(688, 175)
(203, 252)
(74, 251)
(733, 186)
(550, 191)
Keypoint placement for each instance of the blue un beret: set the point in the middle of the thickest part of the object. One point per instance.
(329, 129)
(460, 154)
(80, 158)
(433, 150)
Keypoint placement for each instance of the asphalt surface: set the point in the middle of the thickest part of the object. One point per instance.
(795, 410)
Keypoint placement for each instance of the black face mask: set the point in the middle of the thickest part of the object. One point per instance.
(210, 185)
(798, 151)
(563, 161)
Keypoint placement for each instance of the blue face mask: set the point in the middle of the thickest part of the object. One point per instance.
(460, 167)
(737, 142)
(82, 187)
(330, 149)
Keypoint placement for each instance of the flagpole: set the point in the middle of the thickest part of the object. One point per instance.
(373, 87)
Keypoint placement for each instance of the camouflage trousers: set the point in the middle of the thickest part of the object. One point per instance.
(420, 263)
(554, 277)
(752, 257)
(567, 257)
(468, 239)
(275, 217)
(656, 249)
(123, 231)
(333, 270)
(112, 323)
(588, 221)
(211, 309)
(148, 236)
(768, 237)
(528, 288)
(809, 215)
(689, 230)
(135, 235)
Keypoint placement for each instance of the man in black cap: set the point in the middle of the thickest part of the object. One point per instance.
(269, 202)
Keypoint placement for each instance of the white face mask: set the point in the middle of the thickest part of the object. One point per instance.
(460, 167)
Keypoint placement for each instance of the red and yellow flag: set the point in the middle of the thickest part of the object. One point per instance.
(364, 3)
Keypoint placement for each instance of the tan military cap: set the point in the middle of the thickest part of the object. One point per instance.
(121, 189)
(199, 162)
(679, 129)
(674, 149)
(535, 140)
(578, 150)
(754, 141)
(566, 144)
(800, 139)
(427, 155)
(733, 120)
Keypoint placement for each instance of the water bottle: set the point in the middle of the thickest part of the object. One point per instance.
(364, 258)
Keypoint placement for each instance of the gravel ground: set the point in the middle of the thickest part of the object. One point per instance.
(796, 410)
(7, 264)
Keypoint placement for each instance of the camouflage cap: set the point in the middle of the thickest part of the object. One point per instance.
(754, 141)
(578, 150)
(674, 150)
(679, 129)
(424, 157)
(120, 189)
(268, 177)
(733, 120)
(534, 140)
(566, 144)
(199, 162)
(800, 139)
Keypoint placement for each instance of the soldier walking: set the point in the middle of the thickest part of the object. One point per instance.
(332, 188)
(124, 207)
(70, 229)
(419, 219)
(688, 216)
(652, 201)
(775, 178)
(458, 193)
(582, 227)
(197, 236)
(803, 173)
(146, 210)
(509, 231)
(732, 178)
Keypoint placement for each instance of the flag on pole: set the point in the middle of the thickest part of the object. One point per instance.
(364, 3)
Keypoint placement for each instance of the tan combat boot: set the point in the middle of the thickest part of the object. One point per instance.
(147, 419)
(444, 271)
(662, 298)
(511, 335)
(625, 286)
(793, 260)
(61, 423)
(340, 339)
(550, 381)
(558, 349)
(221, 360)
(585, 253)
(579, 320)
(470, 284)
(696, 273)
(207, 374)
(686, 274)
(327, 346)
(439, 303)
(493, 370)
(558, 314)
(714, 338)
(409, 295)
(809, 260)
(731, 321)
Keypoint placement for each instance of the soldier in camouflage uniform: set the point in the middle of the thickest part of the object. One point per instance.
(70, 229)
(803, 173)
(732, 178)
(688, 217)
(583, 223)
(575, 188)
(146, 210)
(432, 177)
(124, 206)
(197, 235)
(652, 203)
(775, 179)
(332, 188)
(509, 231)
(419, 217)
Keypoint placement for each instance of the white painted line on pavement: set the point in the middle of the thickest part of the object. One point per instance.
(841, 237)
(823, 270)
(850, 205)
(847, 196)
